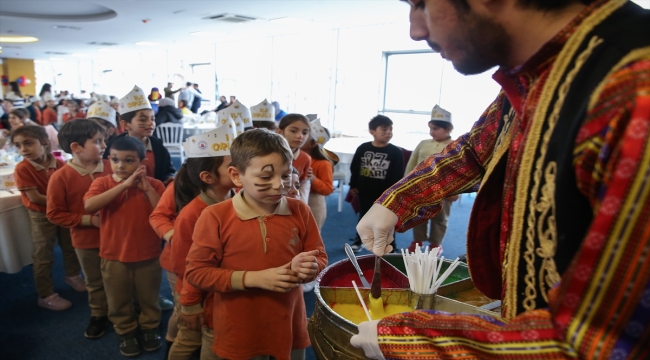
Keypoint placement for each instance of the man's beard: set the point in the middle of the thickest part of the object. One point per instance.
(482, 42)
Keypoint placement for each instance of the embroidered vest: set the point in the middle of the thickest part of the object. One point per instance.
(550, 216)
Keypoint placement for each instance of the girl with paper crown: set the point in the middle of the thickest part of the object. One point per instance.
(205, 172)
(102, 113)
(263, 114)
(322, 183)
(440, 127)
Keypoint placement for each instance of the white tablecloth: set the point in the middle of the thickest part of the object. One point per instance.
(190, 129)
(15, 231)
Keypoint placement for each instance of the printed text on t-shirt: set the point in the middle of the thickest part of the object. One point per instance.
(374, 165)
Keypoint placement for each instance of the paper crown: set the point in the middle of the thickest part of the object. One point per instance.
(103, 110)
(48, 97)
(214, 143)
(105, 98)
(263, 111)
(239, 114)
(133, 101)
(440, 114)
(318, 133)
(155, 95)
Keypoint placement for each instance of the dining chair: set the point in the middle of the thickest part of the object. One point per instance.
(172, 136)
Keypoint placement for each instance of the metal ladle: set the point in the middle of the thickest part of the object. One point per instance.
(353, 260)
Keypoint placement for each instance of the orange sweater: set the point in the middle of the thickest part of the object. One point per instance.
(125, 233)
(49, 116)
(183, 230)
(323, 183)
(302, 163)
(162, 221)
(65, 205)
(79, 115)
(29, 175)
(228, 241)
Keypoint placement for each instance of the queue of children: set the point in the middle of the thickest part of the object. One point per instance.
(97, 208)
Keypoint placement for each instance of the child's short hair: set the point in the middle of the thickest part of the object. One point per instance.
(34, 132)
(22, 113)
(264, 124)
(183, 102)
(379, 120)
(443, 124)
(128, 143)
(292, 118)
(78, 131)
(256, 143)
(294, 171)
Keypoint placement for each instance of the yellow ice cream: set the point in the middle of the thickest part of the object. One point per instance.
(355, 314)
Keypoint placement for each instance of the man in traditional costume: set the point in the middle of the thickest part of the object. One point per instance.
(560, 229)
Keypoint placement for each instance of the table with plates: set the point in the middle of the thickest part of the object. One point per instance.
(15, 229)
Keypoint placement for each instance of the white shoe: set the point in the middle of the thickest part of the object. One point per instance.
(54, 302)
(77, 282)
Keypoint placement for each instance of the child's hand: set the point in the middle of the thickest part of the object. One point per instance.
(192, 321)
(280, 279)
(310, 174)
(305, 265)
(133, 179)
(143, 183)
(94, 221)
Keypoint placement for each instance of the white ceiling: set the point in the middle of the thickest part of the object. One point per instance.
(171, 22)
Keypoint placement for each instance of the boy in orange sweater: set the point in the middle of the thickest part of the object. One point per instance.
(129, 247)
(32, 175)
(254, 251)
(65, 207)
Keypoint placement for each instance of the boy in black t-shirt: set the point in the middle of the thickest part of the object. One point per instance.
(376, 166)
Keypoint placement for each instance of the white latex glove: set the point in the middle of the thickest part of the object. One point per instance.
(367, 340)
(377, 229)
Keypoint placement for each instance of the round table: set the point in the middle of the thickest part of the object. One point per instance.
(15, 229)
(191, 129)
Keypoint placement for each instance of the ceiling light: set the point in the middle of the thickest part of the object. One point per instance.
(80, 55)
(17, 39)
(147, 43)
(205, 34)
(56, 59)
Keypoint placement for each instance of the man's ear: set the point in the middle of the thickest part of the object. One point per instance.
(235, 176)
(75, 147)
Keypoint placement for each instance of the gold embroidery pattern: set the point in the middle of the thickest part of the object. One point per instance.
(501, 145)
(546, 204)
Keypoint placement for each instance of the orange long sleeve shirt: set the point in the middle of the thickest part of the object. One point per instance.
(65, 205)
(323, 183)
(30, 175)
(162, 221)
(49, 116)
(230, 239)
(302, 163)
(125, 235)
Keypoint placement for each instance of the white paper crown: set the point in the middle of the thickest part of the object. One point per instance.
(263, 111)
(440, 114)
(318, 133)
(239, 114)
(134, 101)
(48, 97)
(103, 110)
(214, 143)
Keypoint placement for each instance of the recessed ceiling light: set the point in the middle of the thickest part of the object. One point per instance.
(147, 43)
(56, 59)
(17, 39)
(205, 34)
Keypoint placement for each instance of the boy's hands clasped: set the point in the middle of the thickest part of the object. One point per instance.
(136, 177)
(302, 268)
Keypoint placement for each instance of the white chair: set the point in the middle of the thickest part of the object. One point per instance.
(340, 176)
(172, 137)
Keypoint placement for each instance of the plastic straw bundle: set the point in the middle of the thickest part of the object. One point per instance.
(423, 269)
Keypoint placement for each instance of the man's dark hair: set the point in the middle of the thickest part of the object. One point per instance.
(128, 143)
(379, 120)
(188, 83)
(78, 131)
(258, 143)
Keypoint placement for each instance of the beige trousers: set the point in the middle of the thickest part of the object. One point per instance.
(318, 207)
(44, 236)
(124, 282)
(172, 326)
(91, 264)
(438, 227)
(206, 348)
(187, 342)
